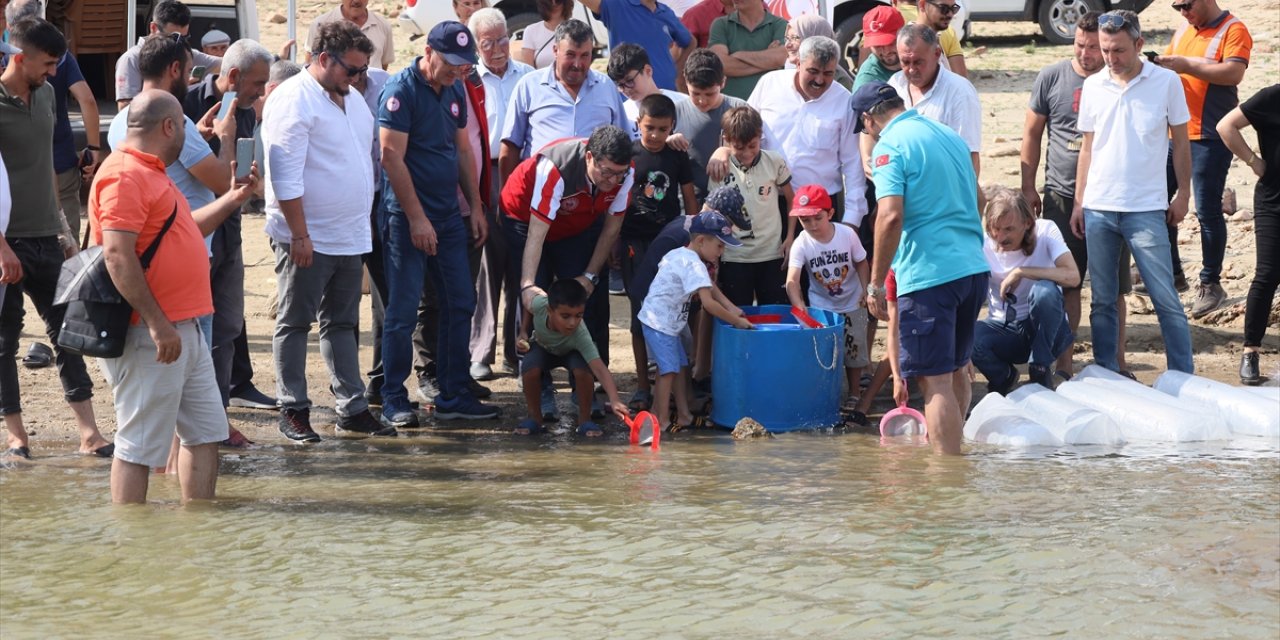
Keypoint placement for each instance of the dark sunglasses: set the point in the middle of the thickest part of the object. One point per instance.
(1112, 20)
(946, 9)
(351, 71)
(1182, 6)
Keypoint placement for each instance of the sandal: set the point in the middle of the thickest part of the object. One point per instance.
(590, 429)
(641, 400)
(1066, 376)
(105, 451)
(530, 427)
(19, 452)
(38, 356)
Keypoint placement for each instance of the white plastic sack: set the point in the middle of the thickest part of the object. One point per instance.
(1269, 393)
(1244, 413)
(997, 420)
(1071, 422)
(1140, 416)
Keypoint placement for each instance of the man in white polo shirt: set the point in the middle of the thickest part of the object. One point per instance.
(1129, 115)
(934, 91)
(807, 119)
(318, 137)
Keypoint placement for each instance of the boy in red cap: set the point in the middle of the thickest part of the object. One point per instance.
(836, 264)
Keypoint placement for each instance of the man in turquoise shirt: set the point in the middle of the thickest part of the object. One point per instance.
(928, 228)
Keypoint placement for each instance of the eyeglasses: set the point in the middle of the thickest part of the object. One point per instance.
(792, 38)
(946, 9)
(628, 83)
(1182, 6)
(1113, 20)
(610, 174)
(501, 43)
(351, 71)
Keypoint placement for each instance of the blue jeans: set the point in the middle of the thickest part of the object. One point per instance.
(1210, 160)
(1039, 338)
(405, 268)
(1144, 232)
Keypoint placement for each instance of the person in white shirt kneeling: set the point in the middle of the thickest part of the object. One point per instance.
(1026, 321)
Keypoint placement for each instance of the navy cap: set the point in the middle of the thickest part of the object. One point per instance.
(453, 40)
(868, 96)
(728, 201)
(713, 223)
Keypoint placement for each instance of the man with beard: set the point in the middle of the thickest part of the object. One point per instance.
(1055, 105)
(26, 141)
(879, 33)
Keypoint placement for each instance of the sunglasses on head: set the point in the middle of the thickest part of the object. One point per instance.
(946, 9)
(179, 37)
(1112, 20)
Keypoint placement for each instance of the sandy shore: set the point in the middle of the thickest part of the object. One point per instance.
(1010, 57)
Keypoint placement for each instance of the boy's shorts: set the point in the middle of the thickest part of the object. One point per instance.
(633, 250)
(667, 350)
(543, 360)
(936, 325)
(855, 339)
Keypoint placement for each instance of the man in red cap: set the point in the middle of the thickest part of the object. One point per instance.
(879, 33)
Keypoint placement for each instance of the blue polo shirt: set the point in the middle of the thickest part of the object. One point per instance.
(928, 164)
(409, 105)
(542, 111)
(631, 21)
(64, 146)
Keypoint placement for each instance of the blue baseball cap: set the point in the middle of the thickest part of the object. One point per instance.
(453, 40)
(713, 223)
(868, 96)
(728, 201)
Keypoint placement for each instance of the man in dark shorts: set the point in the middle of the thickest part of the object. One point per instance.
(1055, 104)
(929, 232)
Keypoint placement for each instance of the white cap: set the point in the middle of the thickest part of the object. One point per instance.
(213, 37)
(9, 49)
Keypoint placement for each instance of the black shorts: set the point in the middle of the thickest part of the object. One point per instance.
(541, 359)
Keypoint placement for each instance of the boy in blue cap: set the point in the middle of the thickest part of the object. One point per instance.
(665, 313)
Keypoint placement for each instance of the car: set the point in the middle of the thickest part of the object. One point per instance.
(1057, 18)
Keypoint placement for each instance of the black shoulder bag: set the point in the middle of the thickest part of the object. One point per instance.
(97, 317)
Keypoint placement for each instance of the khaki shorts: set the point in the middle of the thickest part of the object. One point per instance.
(855, 339)
(153, 399)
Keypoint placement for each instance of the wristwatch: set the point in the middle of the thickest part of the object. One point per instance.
(875, 291)
(591, 277)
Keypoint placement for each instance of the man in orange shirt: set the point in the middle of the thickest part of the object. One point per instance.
(165, 377)
(1210, 52)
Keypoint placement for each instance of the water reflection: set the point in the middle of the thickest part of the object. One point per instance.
(817, 535)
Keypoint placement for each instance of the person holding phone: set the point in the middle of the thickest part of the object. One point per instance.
(231, 94)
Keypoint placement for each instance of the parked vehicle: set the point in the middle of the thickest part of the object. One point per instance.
(1057, 18)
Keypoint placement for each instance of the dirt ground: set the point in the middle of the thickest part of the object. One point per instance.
(1003, 61)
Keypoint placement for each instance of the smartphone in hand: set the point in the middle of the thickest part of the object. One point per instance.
(1151, 55)
(245, 151)
(226, 105)
(198, 72)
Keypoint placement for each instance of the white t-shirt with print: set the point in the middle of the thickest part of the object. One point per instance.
(1049, 247)
(833, 278)
(680, 274)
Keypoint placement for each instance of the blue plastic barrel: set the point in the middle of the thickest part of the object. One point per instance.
(784, 376)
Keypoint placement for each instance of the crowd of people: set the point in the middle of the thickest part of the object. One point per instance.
(724, 159)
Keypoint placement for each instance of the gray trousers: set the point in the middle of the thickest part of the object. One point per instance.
(226, 275)
(489, 281)
(327, 291)
(69, 200)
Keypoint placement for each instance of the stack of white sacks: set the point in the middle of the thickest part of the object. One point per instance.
(1101, 407)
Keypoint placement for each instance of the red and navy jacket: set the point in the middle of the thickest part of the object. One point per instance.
(552, 184)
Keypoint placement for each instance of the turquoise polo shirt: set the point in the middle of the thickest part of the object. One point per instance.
(928, 164)
(655, 31)
(409, 105)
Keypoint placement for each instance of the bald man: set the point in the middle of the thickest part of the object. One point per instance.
(165, 377)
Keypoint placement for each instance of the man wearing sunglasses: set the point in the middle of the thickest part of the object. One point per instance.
(171, 18)
(1210, 53)
(937, 15)
(1129, 115)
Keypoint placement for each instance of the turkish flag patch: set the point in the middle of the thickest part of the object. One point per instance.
(882, 160)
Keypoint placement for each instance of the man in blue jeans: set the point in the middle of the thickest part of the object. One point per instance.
(1026, 320)
(1128, 116)
(422, 122)
(927, 228)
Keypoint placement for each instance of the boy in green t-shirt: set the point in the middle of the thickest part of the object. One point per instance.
(561, 340)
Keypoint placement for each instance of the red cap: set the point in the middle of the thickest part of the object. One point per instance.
(811, 200)
(880, 26)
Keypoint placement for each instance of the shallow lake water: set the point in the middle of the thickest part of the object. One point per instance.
(809, 535)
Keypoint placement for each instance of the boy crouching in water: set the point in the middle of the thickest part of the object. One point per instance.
(561, 340)
(664, 316)
(836, 264)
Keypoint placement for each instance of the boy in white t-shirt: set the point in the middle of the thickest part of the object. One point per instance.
(664, 316)
(1026, 321)
(836, 264)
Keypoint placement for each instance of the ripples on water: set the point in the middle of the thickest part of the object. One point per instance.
(451, 535)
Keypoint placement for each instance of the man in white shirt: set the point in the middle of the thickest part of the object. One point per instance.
(807, 119)
(937, 93)
(1129, 115)
(499, 73)
(1026, 322)
(318, 138)
(372, 25)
